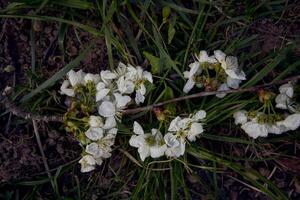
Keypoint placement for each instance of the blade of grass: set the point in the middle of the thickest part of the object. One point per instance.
(58, 75)
(89, 29)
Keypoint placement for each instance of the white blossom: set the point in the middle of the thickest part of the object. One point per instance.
(101, 148)
(255, 129)
(132, 79)
(152, 145)
(188, 127)
(230, 65)
(87, 163)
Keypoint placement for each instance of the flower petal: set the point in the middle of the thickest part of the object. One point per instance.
(139, 97)
(95, 78)
(87, 163)
(287, 89)
(121, 100)
(240, 117)
(292, 122)
(137, 128)
(195, 69)
(233, 83)
(157, 150)
(110, 122)
(107, 109)
(107, 75)
(65, 90)
(75, 78)
(171, 140)
(148, 76)
(201, 114)
(222, 87)
(189, 85)
(94, 133)
(95, 121)
(220, 55)
(174, 124)
(254, 129)
(101, 94)
(144, 152)
(93, 149)
(196, 129)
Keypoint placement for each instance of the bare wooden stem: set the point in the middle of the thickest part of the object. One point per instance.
(56, 118)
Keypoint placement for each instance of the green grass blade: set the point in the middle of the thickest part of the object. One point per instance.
(49, 18)
(58, 75)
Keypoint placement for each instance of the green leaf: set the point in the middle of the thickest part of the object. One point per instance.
(154, 62)
(166, 12)
(168, 93)
(171, 30)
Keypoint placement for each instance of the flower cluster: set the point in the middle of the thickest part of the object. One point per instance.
(173, 143)
(97, 102)
(261, 123)
(217, 72)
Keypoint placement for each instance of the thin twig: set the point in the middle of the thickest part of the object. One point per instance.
(202, 94)
(27, 115)
(56, 118)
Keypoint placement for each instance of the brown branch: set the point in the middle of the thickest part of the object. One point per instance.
(202, 94)
(56, 118)
(10, 106)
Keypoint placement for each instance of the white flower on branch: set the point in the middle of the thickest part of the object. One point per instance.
(133, 79)
(230, 65)
(88, 163)
(149, 144)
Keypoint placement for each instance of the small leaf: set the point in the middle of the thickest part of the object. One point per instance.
(171, 33)
(166, 12)
(171, 29)
(168, 93)
(154, 62)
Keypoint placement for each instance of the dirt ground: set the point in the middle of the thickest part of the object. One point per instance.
(20, 158)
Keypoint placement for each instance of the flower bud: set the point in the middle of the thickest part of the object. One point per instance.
(264, 95)
(160, 114)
